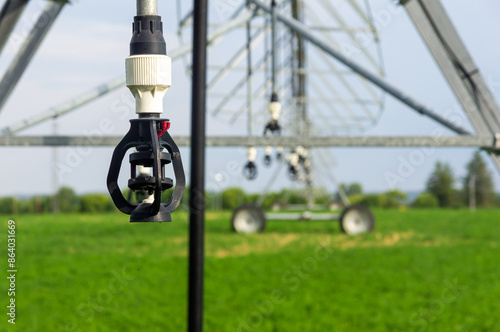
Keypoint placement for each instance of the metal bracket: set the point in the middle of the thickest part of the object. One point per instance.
(496, 144)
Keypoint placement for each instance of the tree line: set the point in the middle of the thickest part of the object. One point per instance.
(65, 201)
(441, 191)
(475, 188)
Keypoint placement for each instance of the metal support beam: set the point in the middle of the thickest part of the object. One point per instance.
(28, 50)
(303, 216)
(299, 77)
(9, 15)
(487, 142)
(331, 8)
(238, 56)
(65, 108)
(457, 66)
(113, 85)
(391, 89)
(197, 187)
(274, 48)
(236, 87)
(249, 78)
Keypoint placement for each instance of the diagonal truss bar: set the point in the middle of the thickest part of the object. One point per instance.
(258, 66)
(453, 59)
(9, 15)
(363, 16)
(378, 81)
(113, 85)
(327, 4)
(349, 87)
(259, 94)
(457, 65)
(29, 48)
(257, 37)
(334, 91)
(331, 107)
(66, 107)
(329, 60)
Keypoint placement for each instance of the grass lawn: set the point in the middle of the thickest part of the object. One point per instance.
(420, 270)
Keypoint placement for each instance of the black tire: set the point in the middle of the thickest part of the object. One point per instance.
(248, 219)
(357, 219)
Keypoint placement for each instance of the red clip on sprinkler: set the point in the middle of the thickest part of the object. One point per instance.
(164, 126)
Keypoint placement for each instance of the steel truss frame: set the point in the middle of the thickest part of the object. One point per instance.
(431, 21)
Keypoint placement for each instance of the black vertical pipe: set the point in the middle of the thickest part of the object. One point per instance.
(300, 76)
(197, 189)
(249, 74)
(273, 46)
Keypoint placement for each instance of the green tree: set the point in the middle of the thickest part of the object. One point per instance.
(371, 200)
(425, 200)
(497, 200)
(478, 173)
(395, 199)
(440, 184)
(26, 206)
(95, 203)
(352, 189)
(7, 205)
(388, 200)
(252, 198)
(296, 197)
(41, 204)
(270, 199)
(232, 198)
(68, 200)
(355, 189)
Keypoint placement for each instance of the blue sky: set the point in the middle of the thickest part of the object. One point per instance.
(89, 42)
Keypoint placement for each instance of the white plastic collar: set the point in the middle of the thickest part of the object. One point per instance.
(275, 110)
(148, 78)
(252, 153)
(269, 150)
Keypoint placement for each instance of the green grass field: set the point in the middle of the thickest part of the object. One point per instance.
(418, 271)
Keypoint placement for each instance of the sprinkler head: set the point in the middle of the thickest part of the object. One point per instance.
(279, 153)
(149, 75)
(155, 149)
(267, 160)
(275, 110)
(293, 173)
(273, 128)
(267, 157)
(250, 171)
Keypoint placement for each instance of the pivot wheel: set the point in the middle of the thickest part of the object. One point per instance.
(357, 219)
(248, 219)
